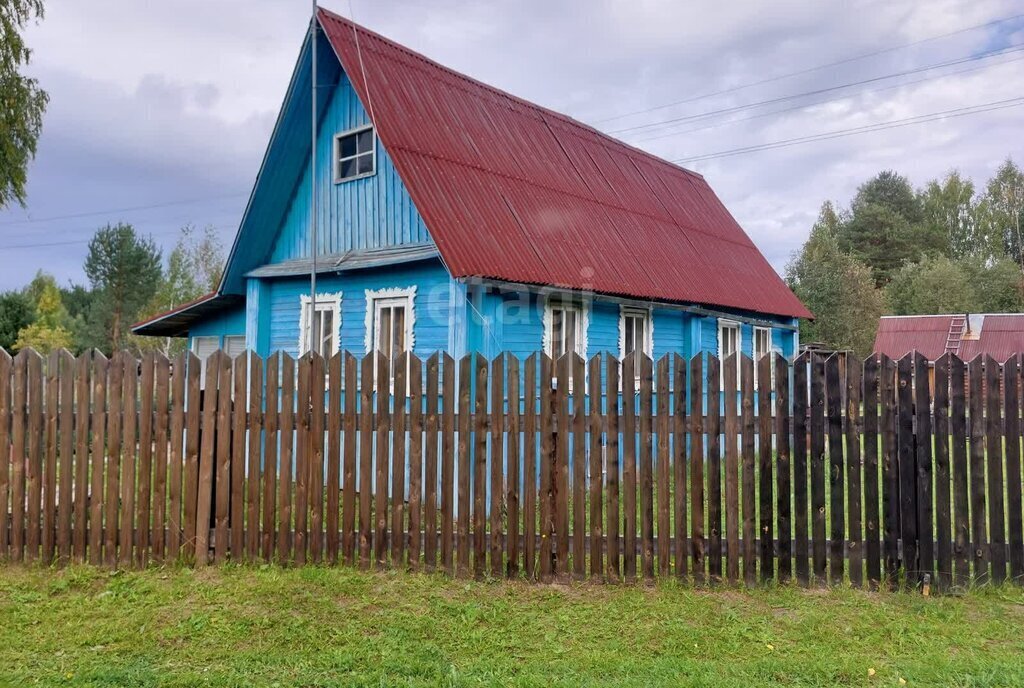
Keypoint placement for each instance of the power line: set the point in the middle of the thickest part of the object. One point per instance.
(868, 128)
(808, 70)
(72, 242)
(833, 99)
(793, 96)
(118, 210)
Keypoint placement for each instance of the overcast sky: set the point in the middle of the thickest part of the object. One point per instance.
(160, 111)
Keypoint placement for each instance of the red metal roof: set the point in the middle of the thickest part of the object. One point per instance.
(1001, 336)
(515, 192)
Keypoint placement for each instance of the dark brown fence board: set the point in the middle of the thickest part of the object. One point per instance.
(100, 367)
(448, 400)
(380, 462)
(531, 465)
(979, 525)
(579, 468)
(783, 426)
(748, 480)
(254, 483)
(890, 466)
(239, 424)
(872, 495)
(994, 456)
(480, 467)
(34, 467)
(513, 462)
(765, 496)
(836, 484)
(713, 381)
(50, 441)
(6, 452)
(697, 463)
(561, 466)
(315, 457)
(112, 494)
(961, 484)
(497, 466)
(193, 422)
(397, 473)
(348, 498)
(19, 456)
(613, 569)
(923, 458)
(855, 554)
(83, 417)
(366, 459)
(161, 423)
(285, 488)
(1011, 430)
(144, 474)
(629, 438)
(129, 447)
(646, 460)
(431, 467)
(943, 529)
(731, 374)
(303, 449)
(547, 467)
(415, 461)
(801, 444)
(463, 495)
(906, 460)
(679, 465)
(222, 477)
(663, 468)
(65, 496)
(817, 423)
(271, 470)
(596, 493)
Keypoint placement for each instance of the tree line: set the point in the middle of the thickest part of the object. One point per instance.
(947, 247)
(128, 280)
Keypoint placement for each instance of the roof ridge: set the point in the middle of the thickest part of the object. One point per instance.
(541, 109)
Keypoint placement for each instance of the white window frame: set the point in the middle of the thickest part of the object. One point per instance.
(392, 296)
(647, 316)
(725, 324)
(194, 348)
(324, 303)
(767, 332)
(582, 323)
(336, 154)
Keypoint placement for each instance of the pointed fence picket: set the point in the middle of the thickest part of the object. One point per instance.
(822, 470)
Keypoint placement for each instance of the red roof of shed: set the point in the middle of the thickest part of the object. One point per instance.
(999, 335)
(515, 192)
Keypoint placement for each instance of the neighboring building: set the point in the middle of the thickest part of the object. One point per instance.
(453, 216)
(1000, 335)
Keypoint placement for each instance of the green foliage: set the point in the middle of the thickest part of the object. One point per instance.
(47, 332)
(1001, 212)
(16, 313)
(125, 272)
(998, 285)
(949, 208)
(193, 269)
(837, 288)
(22, 102)
(934, 285)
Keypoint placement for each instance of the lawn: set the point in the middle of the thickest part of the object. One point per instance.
(241, 626)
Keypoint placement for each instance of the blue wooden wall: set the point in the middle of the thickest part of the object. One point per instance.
(368, 212)
(230, 321)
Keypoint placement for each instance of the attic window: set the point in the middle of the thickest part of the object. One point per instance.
(355, 154)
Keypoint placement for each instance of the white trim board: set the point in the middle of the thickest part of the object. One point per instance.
(374, 295)
(330, 299)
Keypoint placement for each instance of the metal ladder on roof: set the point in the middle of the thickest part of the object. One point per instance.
(956, 333)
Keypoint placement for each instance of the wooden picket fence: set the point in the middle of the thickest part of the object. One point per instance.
(826, 471)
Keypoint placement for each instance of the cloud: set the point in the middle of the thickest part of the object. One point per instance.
(156, 103)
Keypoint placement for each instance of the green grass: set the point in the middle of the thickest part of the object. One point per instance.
(240, 626)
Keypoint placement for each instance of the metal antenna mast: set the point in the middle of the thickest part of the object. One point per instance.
(313, 239)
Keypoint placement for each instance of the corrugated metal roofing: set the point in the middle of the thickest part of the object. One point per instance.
(357, 259)
(1001, 336)
(515, 192)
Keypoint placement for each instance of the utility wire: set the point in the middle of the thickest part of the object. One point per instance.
(840, 133)
(738, 108)
(110, 211)
(808, 70)
(833, 99)
(71, 242)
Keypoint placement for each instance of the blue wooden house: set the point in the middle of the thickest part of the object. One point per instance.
(453, 216)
